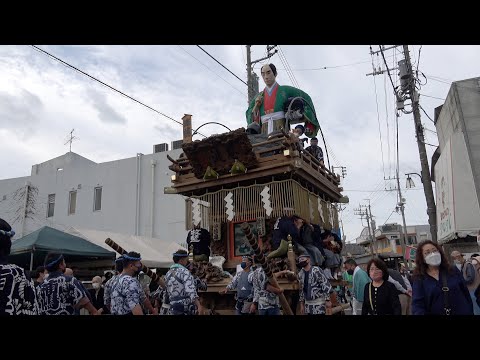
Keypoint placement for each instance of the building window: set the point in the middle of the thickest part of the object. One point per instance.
(51, 205)
(72, 202)
(97, 200)
(412, 240)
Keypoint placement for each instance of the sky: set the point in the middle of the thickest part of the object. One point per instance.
(42, 100)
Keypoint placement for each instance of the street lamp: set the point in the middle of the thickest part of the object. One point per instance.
(410, 184)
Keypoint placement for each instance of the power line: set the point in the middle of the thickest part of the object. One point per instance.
(213, 71)
(420, 106)
(386, 120)
(433, 97)
(388, 70)
(288, 65)
(105, 84)
(332, 67)
(380, 190)
(221, 64)
(379, 129)
(389, 217)
(289, 73)
(438, 77)
(418, 60)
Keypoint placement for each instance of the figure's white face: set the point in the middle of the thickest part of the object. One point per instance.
(267, 75)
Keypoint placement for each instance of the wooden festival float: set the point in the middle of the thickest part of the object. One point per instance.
(234, 178)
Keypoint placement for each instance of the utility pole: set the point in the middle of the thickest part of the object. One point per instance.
(249, 75)
(426, 179)
(407, 91)
(372, 222)
(401, 204)
(370, 229)
(365, 213)
(252, 78)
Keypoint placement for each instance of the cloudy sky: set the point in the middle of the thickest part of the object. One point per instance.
(42, 100)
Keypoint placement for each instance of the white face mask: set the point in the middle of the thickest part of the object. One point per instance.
(457, 262)
(96, 285)
(433, 259)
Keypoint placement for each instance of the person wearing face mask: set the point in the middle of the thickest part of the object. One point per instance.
(61, 294)
(127, 293)
(243, 283)
(380, 295)
(181, 289)
(360, 279)
(438, 288)
(470, 275)
(314, 288)
(97, 295)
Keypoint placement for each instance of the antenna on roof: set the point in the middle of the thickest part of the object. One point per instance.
(70, 140)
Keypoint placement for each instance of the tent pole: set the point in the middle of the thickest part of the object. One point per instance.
(31, 260)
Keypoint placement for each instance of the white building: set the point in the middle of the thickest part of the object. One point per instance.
(124, 196)
(457, 163)
(387, 237)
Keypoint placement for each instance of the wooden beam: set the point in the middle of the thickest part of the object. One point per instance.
(266, 142)
(320, 182)
(260, 259)
(337, 309)
(266, 171)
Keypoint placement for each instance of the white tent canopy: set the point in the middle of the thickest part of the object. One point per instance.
(155, 253)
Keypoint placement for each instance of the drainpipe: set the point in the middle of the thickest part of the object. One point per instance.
(24, 217)
(152, 210)
(31, 257)
(137, 205)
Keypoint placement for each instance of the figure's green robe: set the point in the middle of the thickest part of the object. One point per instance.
(283, 93)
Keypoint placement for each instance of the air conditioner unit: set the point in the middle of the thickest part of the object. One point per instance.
(160, 148)
(177, 144)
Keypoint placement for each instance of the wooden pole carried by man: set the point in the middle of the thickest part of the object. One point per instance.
(260, 259)
(159, 280)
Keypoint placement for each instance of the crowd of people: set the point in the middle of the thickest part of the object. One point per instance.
(434, 288)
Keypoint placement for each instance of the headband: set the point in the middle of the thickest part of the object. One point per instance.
(54, 262)
(131, 258)
(7, 233)
(180, 255)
